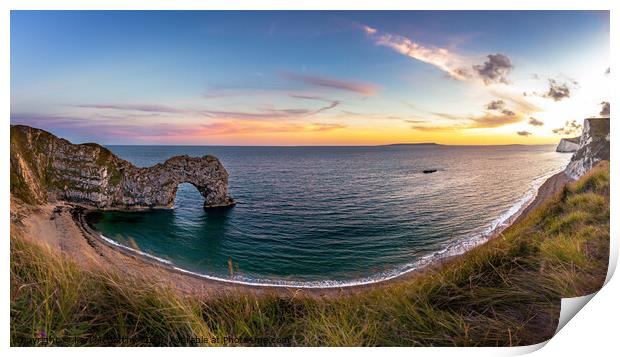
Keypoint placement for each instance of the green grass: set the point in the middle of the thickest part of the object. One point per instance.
(506, 292)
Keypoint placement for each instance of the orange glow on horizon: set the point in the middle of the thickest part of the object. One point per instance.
(310, 135)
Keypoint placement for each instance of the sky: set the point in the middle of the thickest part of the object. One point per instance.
(309, 77)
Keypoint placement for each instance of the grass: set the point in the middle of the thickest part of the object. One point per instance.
(504, 293)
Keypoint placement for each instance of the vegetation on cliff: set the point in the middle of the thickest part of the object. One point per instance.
(506, 292)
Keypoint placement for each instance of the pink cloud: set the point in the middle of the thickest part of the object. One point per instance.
(364, 88)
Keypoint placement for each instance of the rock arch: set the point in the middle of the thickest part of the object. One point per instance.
(46, 168)
(156, 186)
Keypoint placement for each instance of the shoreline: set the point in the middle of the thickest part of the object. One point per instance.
(143, 265)
(549, 186)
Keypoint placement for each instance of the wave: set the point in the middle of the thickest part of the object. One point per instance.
(455, 248)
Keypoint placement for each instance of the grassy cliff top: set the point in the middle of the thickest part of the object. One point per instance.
(506, 292)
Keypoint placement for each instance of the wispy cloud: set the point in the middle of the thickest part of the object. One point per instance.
(436, 128)
(268, 113)
(515, 99)
(524, 133)
(494, 120)
(331, 103)
(254, 127)
(442, 58)
(495, 69)
(365, 88)
(151, 108)
(97, 129)
(441, 115)
(100, 128)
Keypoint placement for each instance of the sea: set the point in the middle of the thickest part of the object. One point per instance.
(332, 216)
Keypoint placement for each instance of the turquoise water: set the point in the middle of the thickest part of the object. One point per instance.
(319, 216)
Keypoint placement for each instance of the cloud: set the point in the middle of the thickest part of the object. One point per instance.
(493, 120)
(569, 128)
(230, 127)
(608, 71)
(365, 88)
(515, 99)
(100, 129)
(524, 133)
(151, 108)
(535, 122)
(265, 114)
(269, 113)
(434, 128)
(442, 58)
(332, 103)
(495, 69)
(447, 115)
(496, 115)
(557, 91)
(369, 30)
(605, 110)
(306, 96)
(416, 121)
(106, 130)
(496, 105)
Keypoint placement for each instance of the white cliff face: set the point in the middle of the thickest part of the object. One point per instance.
(593, 147)
(568, 145)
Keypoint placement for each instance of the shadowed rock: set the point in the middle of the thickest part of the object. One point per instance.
(46, 168)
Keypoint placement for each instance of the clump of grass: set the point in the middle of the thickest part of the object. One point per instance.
(56, 302)
(504, 293)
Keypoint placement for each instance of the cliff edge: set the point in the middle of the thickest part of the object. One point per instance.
(46, 168)
(593, 147)
(568, 144)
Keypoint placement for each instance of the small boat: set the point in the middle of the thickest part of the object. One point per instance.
(429, 171)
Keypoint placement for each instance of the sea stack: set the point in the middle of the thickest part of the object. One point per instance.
(568, 144)
(45, 168)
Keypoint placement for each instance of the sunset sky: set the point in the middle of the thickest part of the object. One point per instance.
(309, 78)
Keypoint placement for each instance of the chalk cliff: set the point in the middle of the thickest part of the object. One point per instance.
(593, 147)
(46, 168)
(568, 145)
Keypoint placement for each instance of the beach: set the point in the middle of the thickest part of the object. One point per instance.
(62, 227)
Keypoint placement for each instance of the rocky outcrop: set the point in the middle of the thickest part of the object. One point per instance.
(568, 145)
(593, 147)
(46, 168)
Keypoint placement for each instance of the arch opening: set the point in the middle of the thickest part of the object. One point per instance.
(187, 196)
